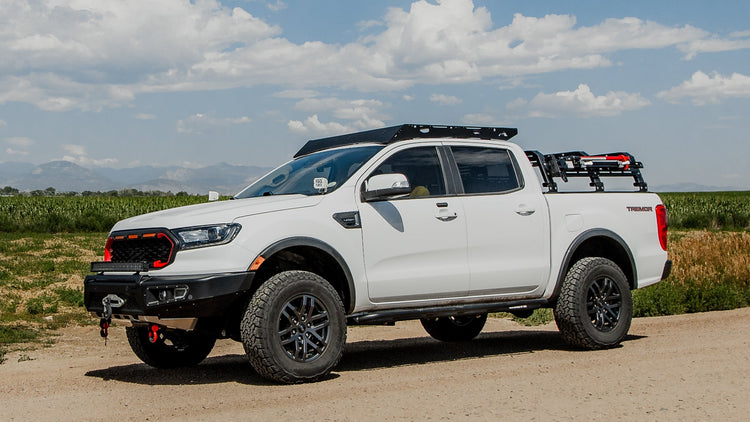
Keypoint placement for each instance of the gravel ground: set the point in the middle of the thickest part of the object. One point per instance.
(683, 368)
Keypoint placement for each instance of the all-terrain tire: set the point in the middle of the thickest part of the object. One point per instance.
(172, 349)
(294, 328)
(595, 306)
(454, 328)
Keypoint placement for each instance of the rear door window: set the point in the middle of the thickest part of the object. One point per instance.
(486, 170)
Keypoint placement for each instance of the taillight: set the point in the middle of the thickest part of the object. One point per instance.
(108, 250)
(661, 224)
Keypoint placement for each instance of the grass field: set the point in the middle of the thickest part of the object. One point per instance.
(41, 282)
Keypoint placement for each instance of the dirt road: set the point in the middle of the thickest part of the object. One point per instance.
(689, 367)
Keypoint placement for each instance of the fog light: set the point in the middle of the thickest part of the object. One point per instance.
(163, 295)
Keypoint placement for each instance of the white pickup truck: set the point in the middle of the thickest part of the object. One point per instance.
(439, 223)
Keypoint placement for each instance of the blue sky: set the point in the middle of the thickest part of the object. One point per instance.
(120, 83)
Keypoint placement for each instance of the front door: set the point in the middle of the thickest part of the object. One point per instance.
(415, 246)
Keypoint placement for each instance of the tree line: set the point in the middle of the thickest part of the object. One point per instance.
(124, 193)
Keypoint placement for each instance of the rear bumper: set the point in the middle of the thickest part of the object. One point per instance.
(167, 297)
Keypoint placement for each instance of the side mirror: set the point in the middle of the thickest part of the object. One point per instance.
(213, 196)
(385, 186)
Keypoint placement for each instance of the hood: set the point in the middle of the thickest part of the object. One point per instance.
(216, 212)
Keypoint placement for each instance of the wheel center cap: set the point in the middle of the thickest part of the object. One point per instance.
(302, 328)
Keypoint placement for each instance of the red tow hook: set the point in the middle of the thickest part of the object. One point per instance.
(153, 334)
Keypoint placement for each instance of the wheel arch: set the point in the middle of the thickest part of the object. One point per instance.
(598, 243)
(308, 254)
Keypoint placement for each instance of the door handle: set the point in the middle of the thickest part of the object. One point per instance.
(524, 210)
(447, 217)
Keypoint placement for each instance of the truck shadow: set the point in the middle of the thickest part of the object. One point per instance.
(358, 356)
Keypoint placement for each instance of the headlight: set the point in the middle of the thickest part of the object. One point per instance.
(198, 237)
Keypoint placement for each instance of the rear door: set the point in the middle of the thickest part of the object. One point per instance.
(415, 246)
(507, 225)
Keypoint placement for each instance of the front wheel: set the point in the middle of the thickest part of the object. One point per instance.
(454, 328)
(171, 349)
(595, 306)
(294, 328)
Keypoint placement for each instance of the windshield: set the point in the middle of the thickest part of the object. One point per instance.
(296, 176)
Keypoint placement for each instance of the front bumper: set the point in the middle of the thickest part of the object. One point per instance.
(166, 297)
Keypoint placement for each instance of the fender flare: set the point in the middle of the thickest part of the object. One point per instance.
(578, 241)
(318, 244)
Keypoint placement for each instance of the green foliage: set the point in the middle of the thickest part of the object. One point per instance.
(69, 297)
(69, 214)
(673, 298)
(661, 299)
(14, 334)
(708, 210)
(41, 305)
(539, 317)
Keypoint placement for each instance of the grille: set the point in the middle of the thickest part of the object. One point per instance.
(154, 248)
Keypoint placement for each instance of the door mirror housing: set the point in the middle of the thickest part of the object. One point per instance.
(385, 186)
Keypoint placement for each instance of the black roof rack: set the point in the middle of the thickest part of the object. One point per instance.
(580, 164)
(408, 131)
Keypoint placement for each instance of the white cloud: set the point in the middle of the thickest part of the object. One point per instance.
(74, 149)
(480, 119)
(77, 154)
(92, 54)
(444, 100)
(359, 114)
(406, 97)
(580, 102)
(11, 151)
(703, 89)
(713, 44)
(313, 125)
(144, 116)
(200, 123)
(3, 123)
(365, 25)
(276, 7)
(296, 93)
(19, 144)
(20, 141)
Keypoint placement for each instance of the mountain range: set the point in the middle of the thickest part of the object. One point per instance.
(66, 176)
(227, 179)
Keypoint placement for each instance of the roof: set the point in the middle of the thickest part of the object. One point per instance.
(391, 134)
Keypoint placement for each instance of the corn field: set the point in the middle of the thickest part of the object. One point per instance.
(708, 210)
(59, 214)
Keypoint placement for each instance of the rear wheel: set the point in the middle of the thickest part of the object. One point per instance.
(294, 328)
(454, 328)
(595, 306)
(172, 349)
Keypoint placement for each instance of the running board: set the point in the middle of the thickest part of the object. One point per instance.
(386, 316)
